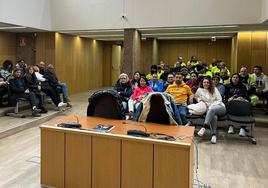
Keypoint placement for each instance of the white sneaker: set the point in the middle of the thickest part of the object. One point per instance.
(62, 104)
(231, 130)
(201, 131)
(189, 123)
(213, 139)
(242, 132)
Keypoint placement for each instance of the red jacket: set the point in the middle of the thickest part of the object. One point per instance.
(141, 91)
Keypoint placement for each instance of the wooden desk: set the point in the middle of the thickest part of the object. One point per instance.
(79, 158)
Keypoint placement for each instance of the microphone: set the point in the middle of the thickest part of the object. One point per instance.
(75, 125)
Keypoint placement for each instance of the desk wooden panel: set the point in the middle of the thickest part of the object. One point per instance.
(105, 162)
(115, 160)
(137, 164)
(52, 158)
(171, 167)
(77, 160)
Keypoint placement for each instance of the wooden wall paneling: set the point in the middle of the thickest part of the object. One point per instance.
(52, 158)
(243, 50)
(107, 64)
(222, 52)
(77, 160)
(137, 164)
(99, 62)
(45, 47)
(106, 165)
(192, 49)
(233, 62)
(163, 51)
(258, 49)
(7, 47)
(40, 54)
(202, 50)
(77, 62)
(228, 47)
(116, 62)
(172, 53)
(144, 52)
(182, 51)
(170, 168)
(212, 51)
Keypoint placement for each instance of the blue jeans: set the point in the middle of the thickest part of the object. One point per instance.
(183, 111)
(62, 88)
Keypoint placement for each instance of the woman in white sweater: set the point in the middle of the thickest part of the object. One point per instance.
(215, 107)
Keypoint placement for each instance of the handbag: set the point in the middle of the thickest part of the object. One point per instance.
(199, 108)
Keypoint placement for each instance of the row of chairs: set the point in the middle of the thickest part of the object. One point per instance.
(107, 104)
(238, 112)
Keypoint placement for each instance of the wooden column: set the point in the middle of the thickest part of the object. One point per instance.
(132, 51)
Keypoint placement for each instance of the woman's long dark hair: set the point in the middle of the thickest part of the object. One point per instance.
(144, 78)
(30, 77)
(211, 87)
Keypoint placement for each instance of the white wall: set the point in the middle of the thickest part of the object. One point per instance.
(86, 14)
(106, 14)
(264, 12)
(30, 13)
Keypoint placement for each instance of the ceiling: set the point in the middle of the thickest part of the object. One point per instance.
(172, 33)
(17, 28)
(160, 33)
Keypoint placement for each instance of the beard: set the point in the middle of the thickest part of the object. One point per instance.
(178, 81)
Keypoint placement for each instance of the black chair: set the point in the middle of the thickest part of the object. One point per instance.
(240, 112)
(157, 112)
(106, 104)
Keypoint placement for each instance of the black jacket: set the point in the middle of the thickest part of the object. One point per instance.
(52, 78)
(17, 86)
(125, 91)
(238, 90)
(32, 82)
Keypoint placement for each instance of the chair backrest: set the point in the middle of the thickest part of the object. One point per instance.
(239, 108)
(158, 113)
(106, 104)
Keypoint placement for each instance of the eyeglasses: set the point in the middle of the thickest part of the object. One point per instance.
(123, 78)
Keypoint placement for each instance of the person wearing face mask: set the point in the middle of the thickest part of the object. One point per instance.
(181, 94)
(155, 83)
(124, 89)
(215, 107)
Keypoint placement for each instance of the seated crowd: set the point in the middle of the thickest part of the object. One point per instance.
(194, 82)
(32, 83)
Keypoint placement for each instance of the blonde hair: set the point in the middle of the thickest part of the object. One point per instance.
(124, 75)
